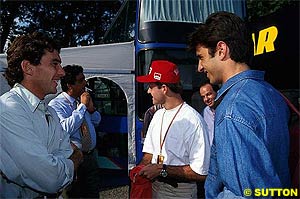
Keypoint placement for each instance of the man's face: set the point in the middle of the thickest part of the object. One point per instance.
(208, 94)
(79, 87)
(207, 63)
(156, 93)
(44, 76)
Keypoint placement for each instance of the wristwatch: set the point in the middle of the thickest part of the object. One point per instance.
(164, 172)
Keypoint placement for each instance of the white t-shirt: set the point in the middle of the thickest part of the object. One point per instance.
(187, 141)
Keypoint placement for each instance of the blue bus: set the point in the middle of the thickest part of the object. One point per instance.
(161, 32)
(159, 29)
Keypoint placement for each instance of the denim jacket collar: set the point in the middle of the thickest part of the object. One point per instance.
(248, 74)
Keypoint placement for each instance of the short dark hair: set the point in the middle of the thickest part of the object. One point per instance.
(71, 71)
(29, 47)
(227, 27)
(206, 81)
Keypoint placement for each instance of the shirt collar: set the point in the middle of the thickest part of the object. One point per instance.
(69, 98)
(248, 74)
(31, 100)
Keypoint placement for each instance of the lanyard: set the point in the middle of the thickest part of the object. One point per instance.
(163, 141)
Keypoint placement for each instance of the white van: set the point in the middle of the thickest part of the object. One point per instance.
(3, 83)
(109, 71)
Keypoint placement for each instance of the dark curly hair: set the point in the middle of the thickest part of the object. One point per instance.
(71, 71)
(29, 47)
(227, 27)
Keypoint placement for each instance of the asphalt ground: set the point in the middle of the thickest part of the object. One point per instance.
(121, 192)
(114, 184)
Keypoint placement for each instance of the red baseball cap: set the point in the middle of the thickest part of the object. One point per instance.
(161, 71)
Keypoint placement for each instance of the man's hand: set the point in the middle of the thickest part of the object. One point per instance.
(86, 99)
(151, 171)
(76, 157)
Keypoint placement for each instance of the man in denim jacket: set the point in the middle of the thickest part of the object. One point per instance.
(251, 144)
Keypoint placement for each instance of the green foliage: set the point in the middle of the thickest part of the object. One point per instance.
(259, 8)
(74, 23)
(81, 23)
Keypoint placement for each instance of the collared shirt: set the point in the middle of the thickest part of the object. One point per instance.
(209, 118)
(33, 152)
(251, 143)
(71, 118)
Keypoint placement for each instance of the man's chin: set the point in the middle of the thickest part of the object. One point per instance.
(53, 91)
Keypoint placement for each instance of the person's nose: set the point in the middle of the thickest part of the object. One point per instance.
(206, 99)
(60, 71)
(200, 67)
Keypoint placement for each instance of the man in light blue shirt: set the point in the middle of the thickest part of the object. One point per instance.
(251, 143)
(208, 93)
(74, 106)
(36, 158)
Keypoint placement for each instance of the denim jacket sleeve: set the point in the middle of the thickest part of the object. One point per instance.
(241, 156)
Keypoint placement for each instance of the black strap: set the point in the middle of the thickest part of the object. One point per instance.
(168, 180)
(49, 195)
(218, 102)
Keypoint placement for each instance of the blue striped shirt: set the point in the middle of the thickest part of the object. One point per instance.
(71, 118)
(34, 153)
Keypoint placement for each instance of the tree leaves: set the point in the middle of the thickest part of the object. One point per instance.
(74, 23)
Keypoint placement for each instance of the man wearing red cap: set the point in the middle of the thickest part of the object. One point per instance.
(176, 148)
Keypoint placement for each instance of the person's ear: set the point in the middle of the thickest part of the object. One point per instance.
(164, 88)
(222, 49)
(70, 87)
(27, 67)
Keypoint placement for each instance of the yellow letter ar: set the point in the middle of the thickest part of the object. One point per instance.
(266, 39)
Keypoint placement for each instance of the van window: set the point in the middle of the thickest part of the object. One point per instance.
(108, 97)
(112, 132)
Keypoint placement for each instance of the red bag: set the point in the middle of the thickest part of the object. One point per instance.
(140, 187)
